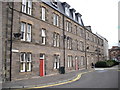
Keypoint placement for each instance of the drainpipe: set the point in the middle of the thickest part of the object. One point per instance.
(85, 47)
(11, 41)
(64, 41)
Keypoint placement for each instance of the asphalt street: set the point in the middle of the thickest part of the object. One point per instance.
(96, 79)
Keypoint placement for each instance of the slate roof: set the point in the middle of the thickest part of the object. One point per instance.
(61, 9)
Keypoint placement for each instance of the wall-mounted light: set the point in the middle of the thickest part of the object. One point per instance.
(17, 35)
(87, 47)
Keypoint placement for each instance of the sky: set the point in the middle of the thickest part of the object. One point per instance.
(101, 15)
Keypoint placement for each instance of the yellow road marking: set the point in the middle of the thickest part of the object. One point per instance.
(77, 78)
(70, 81)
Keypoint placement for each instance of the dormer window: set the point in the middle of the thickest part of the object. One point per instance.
(54, 2)
(67, 11)
(74, 15)
(79, 20)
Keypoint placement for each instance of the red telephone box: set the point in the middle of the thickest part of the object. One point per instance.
(41, 67)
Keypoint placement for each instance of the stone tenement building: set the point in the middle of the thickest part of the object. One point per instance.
(114, 53)
(41, 37)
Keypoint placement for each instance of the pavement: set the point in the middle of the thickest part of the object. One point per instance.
(50, 80)
(42, 81)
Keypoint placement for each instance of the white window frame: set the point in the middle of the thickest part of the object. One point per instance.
(67, 25)
(69, 43)
(43, 35)
(29, 8)
(23, 30)
(29, 27)
(69, 61)
(22, 62)
(53, 2)
(56, 39)
(56, 62)
(79, 20)
(43, 13)
(26, 62)
(82, 60)
(67, 11)
(55, 19)
(74, 15)
(28, 56)
(24, 6)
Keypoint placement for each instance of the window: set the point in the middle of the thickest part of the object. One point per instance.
(56, 63)
(70, 61)
(26, 34)
(74, 15)
(87, 36)
(75, 29)
(69, 43)
(29, 33)
(28, 60)
(23, 29)
(22, 62)
(81, 46)
(82, 61)
(43, 34)
(27, 6)
(55, 19)
(25, 62)
(79, 20)
(42, 56)
(24, 6)
(77, 44)
(54, 2)
(67, 11)
(43, 13)
(29, 9)
(56, 39)
(68, 26)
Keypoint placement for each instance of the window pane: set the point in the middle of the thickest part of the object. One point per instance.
(28, 33)
(28, 66)
(67, 26)
(42, 56)
(24, 6)
(54, 39)
(30, 3)
(54, 19)
(74, 15)
(58, 40)
(67, 11)
(43, 13)
(29, 7)
(79, 20)
(43, 33)
(28, 57)
(22, 57)
(57, 20)
(22, 67)
(23, 31)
